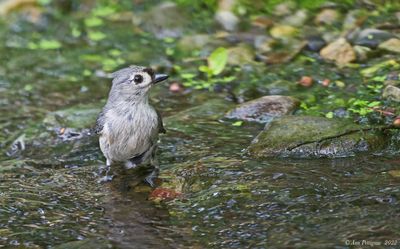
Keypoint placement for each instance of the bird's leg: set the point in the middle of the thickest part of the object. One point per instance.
(154, 174)
(107, 177)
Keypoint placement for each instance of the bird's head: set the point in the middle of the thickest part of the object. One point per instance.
(134, 81)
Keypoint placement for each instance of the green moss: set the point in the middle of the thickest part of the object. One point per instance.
(305, 136)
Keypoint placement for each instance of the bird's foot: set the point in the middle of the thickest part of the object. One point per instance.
(130, 165)
(151, 177)
(102, 169)
(106, 178)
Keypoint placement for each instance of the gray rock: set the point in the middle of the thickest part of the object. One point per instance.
(315, 43)
(392, 93)
(263, 43)
(192, 42)
(165, 20)
(297, 19)
(227, 20)
(305, 136)
(372, 37)
(393, 78)
(264, 109)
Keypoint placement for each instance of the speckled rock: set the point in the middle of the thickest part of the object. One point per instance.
(392, 93)
(280, 31)
(327, 16)
(306, 136)
(339, 51)
(225, 16)
(391, 45)
(240, 55)
(264, 109)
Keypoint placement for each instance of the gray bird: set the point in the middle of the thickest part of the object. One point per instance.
(128, 126)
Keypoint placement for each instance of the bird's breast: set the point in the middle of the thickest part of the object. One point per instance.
(130, 132)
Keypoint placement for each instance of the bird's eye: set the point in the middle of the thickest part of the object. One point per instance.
(138, 79)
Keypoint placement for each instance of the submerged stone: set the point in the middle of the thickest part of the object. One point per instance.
(264, 109)
(307, 136)
(210, 110)
(78, 117)
(372, 37)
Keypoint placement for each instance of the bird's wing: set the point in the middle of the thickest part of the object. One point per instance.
(99, 123)
(161, 128)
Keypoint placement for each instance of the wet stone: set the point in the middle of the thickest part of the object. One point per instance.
(339, 51)
(392, 93)
(263, 43)
(306, 136)
(327, 16)
(393, 78)
(240, 55)
(225, 16)
(297, 19)
(372, 37)
(264, 109)
(79, 117)
(227, 20)
(165, 20)
(391, 45)
(361, 52)
(280, 31)
(210, 110)
(191, 42)
(315, 43)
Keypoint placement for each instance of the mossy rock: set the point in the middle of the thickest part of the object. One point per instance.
(305, 136)
(78, 117)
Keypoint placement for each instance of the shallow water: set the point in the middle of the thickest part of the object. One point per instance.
(49, 194)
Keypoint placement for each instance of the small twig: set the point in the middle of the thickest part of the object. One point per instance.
(383, 112)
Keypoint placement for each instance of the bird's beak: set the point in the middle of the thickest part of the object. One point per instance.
(160, 77)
